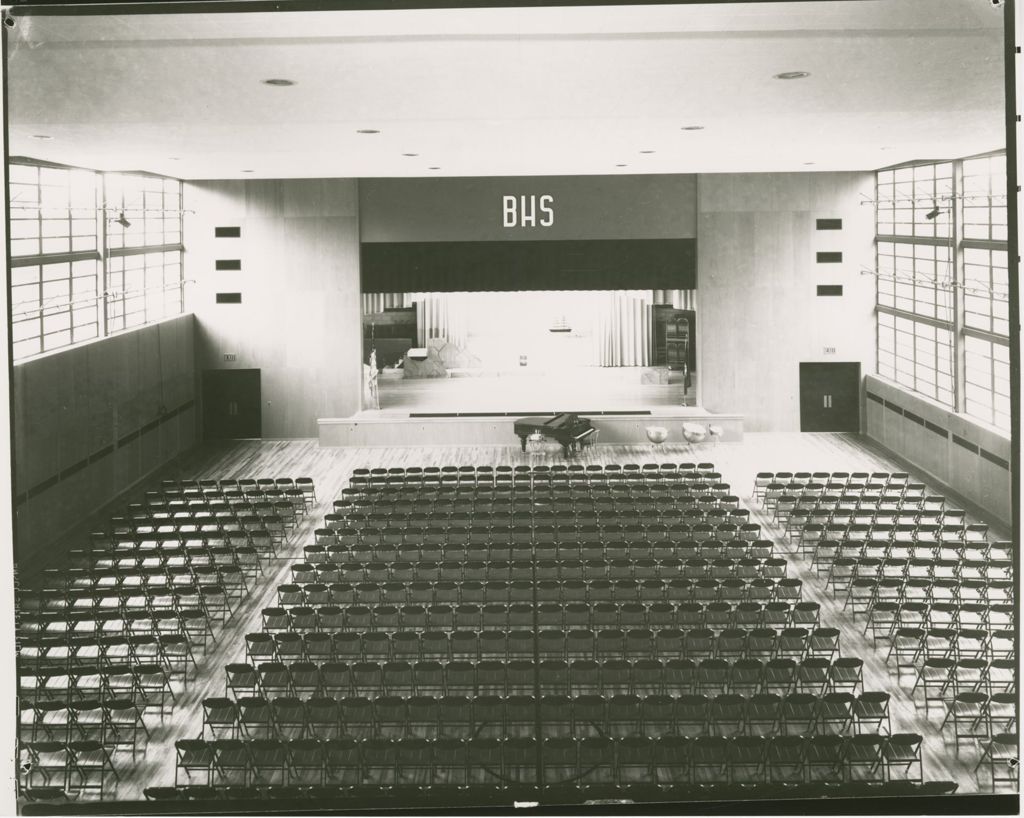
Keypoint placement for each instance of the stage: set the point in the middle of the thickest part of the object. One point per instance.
(481, 410)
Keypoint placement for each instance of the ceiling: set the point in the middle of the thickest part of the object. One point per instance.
(511, 91)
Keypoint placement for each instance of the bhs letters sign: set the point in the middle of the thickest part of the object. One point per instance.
(528, 211)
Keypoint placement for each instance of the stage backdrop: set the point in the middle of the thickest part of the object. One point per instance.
(528, 233)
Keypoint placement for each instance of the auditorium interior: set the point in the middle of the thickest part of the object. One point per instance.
(417, 406)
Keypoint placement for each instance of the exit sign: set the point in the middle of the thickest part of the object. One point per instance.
(829, 350)
(230, 356)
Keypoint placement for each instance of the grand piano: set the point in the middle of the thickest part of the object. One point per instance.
(572, 431)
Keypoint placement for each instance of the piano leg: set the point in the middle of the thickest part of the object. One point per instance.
(522, 439)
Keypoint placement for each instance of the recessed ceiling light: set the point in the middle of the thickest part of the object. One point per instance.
(621, 166)
(808, 163)
(692, 128)
(41, 136)
(248, 171)
(434, 167)
(279, 83)
(367, 130)
(646, 151)
(410, 154)
(174, 158)
(793, 75)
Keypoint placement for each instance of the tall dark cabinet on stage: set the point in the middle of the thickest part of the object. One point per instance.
(669, 327)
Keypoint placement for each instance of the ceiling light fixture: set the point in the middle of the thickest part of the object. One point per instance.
(121, 220)
(41, 136)
(621, 166)
(410, 154)
(279, 83)
(434, 167)
(367, 130)
(247, 170)
(646, 151)
(792, 75)
(174, 158)
(808, 163)
(692, 128)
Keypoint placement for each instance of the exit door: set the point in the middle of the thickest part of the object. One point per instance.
(829, 397)
(231, 404)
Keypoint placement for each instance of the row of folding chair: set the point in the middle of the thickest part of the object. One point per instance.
(510, 570)
(141, 611)
(145, 683)
(513, 762)
(549, 590)
(290, 504)
(82, 767)
(765, 478)
(154, 533)
(858, 576)
(662, 510)
(550, 643)
(571, 468)
(139, 589)
(148, 576)
(978, 716)
(172, 650)
(389, 531)
(328, 552)
(491, 716)
(823, 552)
(885, 617)
(932, 588)
(941, 678)
(505, 534)
(655, 615)
(869, 511)
(911, 646)
(675, 676)
(697, 497)
(911, 598)
(115, 723)
(242, 483)
(563, 793)
(190, 613)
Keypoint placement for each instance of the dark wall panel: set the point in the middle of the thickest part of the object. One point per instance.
(466, 266)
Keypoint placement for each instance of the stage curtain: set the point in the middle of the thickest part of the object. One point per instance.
(378, 302)
(441, 315)
(680, 299)
(624, 329)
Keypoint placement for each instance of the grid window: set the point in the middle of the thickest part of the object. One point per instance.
(151, 206)
(53, 305)
(987, 376)
(916, 355)
(986, 290)
(984, 196)
(915, 278)
(63, 280)
(915, 201)
(143, 288)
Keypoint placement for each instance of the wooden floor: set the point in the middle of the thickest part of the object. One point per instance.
(578, 389)
(330, 469)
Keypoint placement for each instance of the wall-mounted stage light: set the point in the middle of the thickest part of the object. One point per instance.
(933, 213)
(121, 220)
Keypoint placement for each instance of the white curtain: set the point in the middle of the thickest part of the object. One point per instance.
(624, 329)
(378, 302)
(442, 315)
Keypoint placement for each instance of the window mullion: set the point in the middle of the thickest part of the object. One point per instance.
(957, 266)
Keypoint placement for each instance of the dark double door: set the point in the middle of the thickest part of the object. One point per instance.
(231, 404)
(829, 397)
